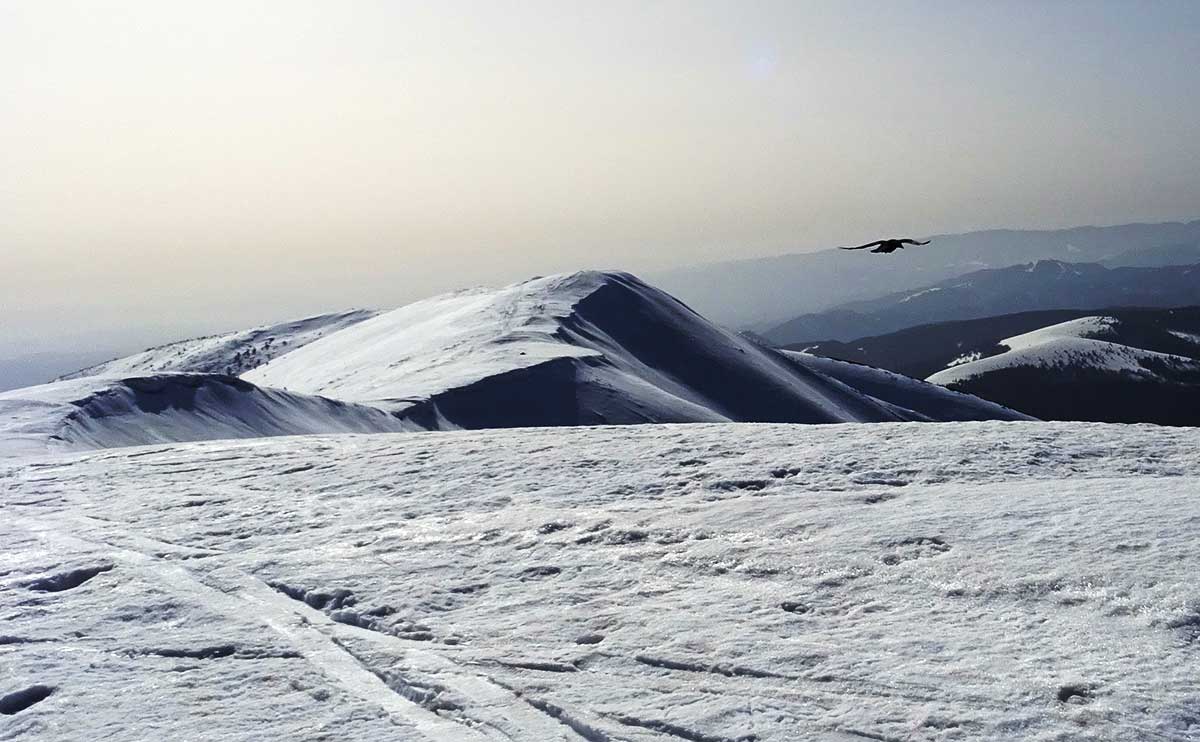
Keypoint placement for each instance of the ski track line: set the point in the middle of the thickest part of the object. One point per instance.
(495, 707)
(316, 646)
(491, 704)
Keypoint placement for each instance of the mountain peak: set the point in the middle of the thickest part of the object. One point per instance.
(584, 348)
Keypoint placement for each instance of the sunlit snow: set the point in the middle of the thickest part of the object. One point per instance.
(1021, 581)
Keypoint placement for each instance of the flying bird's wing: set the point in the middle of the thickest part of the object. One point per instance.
(864, 247)
(914, 242)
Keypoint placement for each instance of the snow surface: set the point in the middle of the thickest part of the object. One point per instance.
(228, 353)
(1075, 344)
(440, 343)
(991, 581)
(102, 412)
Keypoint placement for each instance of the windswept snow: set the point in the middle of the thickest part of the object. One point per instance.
(1076, 344)
(98, 412)
(441, 343)
(230, 353)
(982, 581)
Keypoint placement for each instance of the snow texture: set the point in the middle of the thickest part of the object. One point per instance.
(990, 581)
(1076, 344)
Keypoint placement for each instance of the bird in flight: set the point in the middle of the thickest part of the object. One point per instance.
(886, 245)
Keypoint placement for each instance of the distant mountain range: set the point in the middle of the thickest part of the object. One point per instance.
(1156, 257)
(579, 349)
(1114, 365)
(1047, 284)
(926, 349)
(761, 293)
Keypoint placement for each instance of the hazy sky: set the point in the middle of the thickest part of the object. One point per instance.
(169, 165)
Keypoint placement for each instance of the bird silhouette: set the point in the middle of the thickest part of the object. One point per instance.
(886, 246)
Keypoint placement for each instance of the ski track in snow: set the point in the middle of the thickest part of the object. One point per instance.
(704, 582)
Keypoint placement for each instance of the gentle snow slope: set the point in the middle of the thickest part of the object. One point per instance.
(980, 581)
(230, 353)
(583, 348)
(98, 412)
(1076, 344)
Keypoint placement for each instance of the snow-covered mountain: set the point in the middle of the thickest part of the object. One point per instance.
(578, 349)
(231, 353)
(926, 349)
(1047, 284)
(969, 581)
(582, 348)
(1090, 368)
(1083, 343)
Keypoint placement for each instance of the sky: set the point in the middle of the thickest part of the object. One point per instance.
(172, 167)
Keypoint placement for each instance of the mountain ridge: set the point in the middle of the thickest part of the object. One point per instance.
(1109, 365)
(587, 348)
(1045, 284)
(630, 352)
(758, 293)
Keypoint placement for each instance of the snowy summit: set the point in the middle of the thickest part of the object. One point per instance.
(578, 349)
